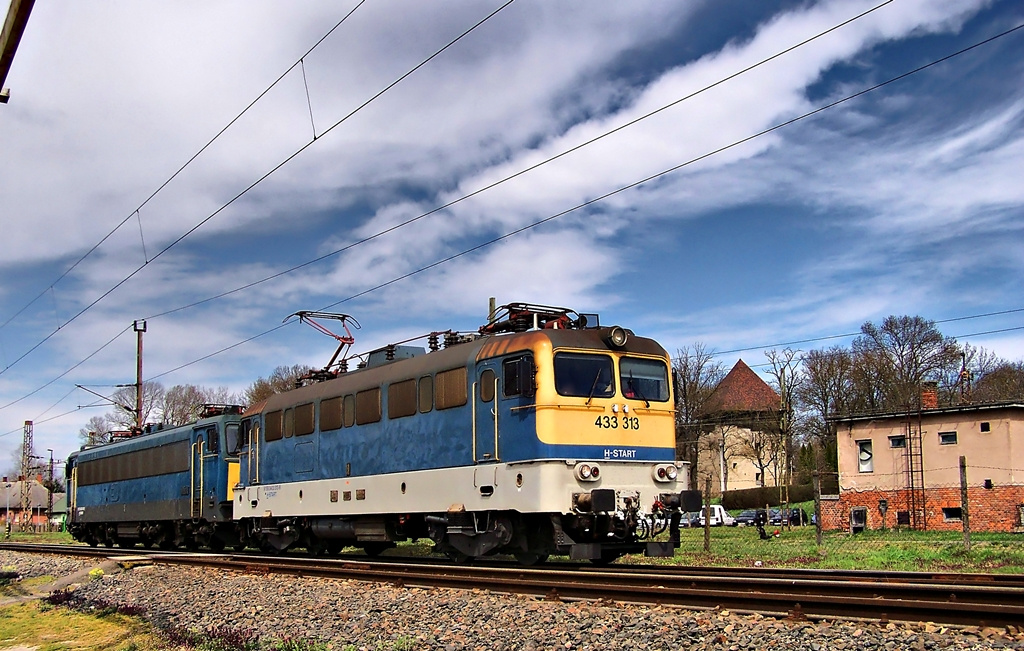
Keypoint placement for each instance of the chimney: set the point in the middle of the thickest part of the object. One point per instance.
(930, 395)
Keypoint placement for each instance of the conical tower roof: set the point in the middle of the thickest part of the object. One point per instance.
(742, 391)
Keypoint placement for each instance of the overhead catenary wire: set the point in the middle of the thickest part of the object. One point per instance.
(188, 162)
(646, 180)
(517, 174)
(598, 199)
(255, 183)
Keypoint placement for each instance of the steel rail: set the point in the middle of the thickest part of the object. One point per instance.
(963, 599)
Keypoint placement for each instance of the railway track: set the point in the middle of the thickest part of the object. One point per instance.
(947, 598)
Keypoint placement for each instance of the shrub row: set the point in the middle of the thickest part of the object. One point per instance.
(752, 498)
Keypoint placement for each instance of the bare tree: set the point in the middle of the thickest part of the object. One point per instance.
(956, 380)
(908, 351)
(183, 403)
(123, 415)
(786, 379)
(283, 379)
(762, 447)
(696, 376)
(95, 432)
(1003, 383)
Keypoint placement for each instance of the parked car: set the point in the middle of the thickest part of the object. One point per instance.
(719, 517)
(690, 519)
(795, 517)
(748, 517)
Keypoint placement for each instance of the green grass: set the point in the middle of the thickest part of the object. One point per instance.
(795, 547)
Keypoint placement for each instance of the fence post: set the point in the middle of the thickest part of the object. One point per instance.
(964, 515)
(707, 514)
(817, 509)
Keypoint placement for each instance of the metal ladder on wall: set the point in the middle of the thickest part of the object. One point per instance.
(915, 476)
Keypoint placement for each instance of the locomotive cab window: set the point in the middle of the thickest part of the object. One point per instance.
(584, 375)
(644, 379)
(209, 435)
(487, 386)
(518, 377)
(246, 437)
(233, 439)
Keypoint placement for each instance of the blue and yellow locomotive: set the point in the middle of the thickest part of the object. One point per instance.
(540, 435)
(169, 487)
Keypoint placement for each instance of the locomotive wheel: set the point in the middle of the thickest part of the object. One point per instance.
(530, 558)
(458, 557)
(315, 546)
(215, 544)
(607, 557)
(375, 549)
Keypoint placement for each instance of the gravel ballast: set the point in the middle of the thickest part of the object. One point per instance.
(381, 616)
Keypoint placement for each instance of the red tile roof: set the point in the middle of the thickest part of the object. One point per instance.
(742, 390)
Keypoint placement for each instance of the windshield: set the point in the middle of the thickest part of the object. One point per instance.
(584, 376)
(644, 379)
(234, 441)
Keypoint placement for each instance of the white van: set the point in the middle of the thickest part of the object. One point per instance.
(719, 517)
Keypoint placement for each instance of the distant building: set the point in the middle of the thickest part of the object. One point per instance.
(741, 450)
(902, 469)
(39, 500)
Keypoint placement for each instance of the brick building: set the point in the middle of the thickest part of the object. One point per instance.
(903, 469)
(39, 502)
(741, 450)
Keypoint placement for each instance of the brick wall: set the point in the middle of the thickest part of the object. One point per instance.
(995, 509)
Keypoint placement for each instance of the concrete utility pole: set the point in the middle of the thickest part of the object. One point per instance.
(49, 492)
(14, 27)
(140, 327)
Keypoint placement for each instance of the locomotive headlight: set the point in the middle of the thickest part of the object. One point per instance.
(617, 337)
(665, 472)
(587, 472)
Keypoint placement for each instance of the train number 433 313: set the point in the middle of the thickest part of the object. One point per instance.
(615, 422)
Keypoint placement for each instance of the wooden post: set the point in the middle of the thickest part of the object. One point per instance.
(817, 508)
(964, 515)
(707, 514)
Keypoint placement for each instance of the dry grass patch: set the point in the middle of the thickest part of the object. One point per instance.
(45, 628)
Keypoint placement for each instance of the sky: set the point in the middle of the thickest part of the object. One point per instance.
(663, 164)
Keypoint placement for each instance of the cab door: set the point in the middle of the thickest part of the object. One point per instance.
(486, 417)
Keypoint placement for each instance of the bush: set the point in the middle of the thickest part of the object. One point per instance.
(752, 498)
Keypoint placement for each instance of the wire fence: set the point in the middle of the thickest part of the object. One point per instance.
(899, 522)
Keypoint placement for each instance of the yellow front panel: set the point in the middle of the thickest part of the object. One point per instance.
(613, 421)
(233, 478)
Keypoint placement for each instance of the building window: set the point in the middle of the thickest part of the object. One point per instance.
(986, 427)
(865, 459)
(947, 438)
(898, 441)
(952, 514)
